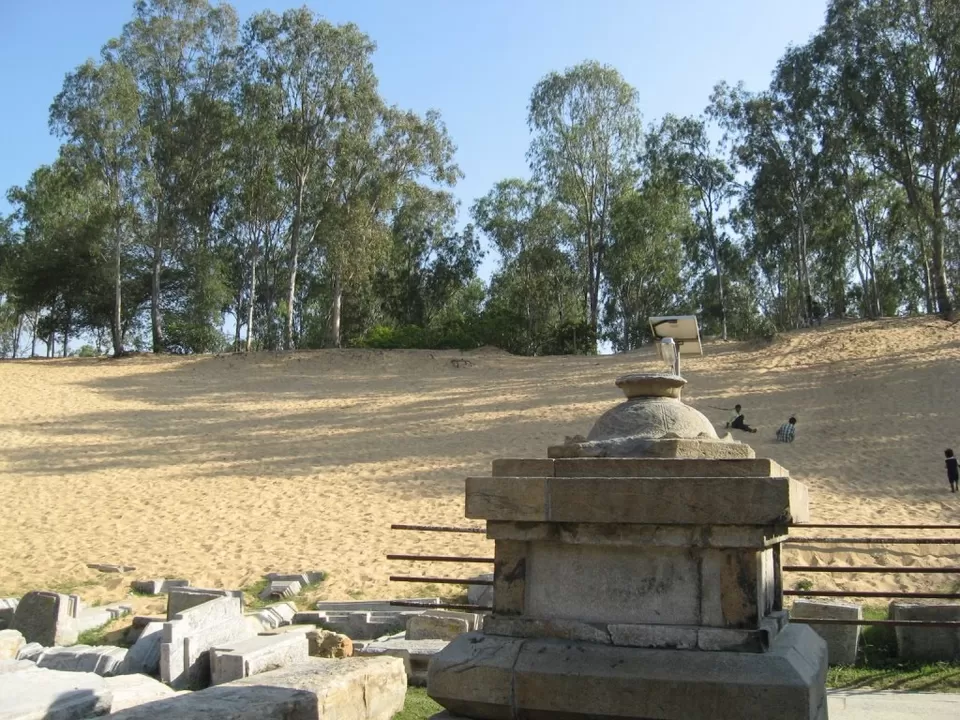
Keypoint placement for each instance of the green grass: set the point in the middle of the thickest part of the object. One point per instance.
(417, 706)
(878, 667)
(94, 636)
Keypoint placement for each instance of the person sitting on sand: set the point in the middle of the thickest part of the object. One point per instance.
(953, 472)
(738, 421)
(787, 431)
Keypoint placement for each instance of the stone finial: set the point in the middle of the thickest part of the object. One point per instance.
(653, 422)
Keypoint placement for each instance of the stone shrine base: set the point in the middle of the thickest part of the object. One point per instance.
(489, 677)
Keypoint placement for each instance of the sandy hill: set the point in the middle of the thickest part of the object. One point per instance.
(218, 469)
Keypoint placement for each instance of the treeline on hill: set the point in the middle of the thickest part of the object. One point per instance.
(211, 170)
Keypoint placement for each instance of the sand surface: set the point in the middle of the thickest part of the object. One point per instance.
(219, 469)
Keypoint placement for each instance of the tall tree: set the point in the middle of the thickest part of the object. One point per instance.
(587, 132)
(897, 66)
(681, 150)
(97, 111)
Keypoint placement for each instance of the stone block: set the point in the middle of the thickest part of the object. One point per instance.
(158, 586)
(302, 629)
(188, 637)
(436, 627)
(256, 655)
(669, 448)
(358, 625)
(592, 583)
(416, 655)
(495, 678)
(326, 644)
(274, 616)
(128, 691)
(526, 627)
(517, 467)
(11, 643)
(46, 618)
(350, 689)
(516, 499)
(37, 694)
(14, 665)
(927, 644)
(144, 655)
(842, 640)
(8, 608)
(370, 605)
(481, 595)
(671, 468)
(111, 568)
(279, 589)
(184, 598)
(310, 577)
(99, 615)
(103, 660)
(30, 651)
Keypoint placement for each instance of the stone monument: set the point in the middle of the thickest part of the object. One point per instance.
(637, 575)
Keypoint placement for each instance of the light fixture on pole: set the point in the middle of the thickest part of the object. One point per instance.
(676, 335)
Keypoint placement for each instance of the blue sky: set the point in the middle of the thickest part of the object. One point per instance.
(474, 61)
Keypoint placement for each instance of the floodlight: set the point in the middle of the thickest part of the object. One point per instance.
(683, 334)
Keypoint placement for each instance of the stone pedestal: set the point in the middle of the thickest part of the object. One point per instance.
(639, 586)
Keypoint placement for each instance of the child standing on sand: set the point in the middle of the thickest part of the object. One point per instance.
(953, 472)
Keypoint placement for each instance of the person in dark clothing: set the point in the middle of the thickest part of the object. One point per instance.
(953, 472)
(738, 421)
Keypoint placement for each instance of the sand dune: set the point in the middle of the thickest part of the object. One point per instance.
(219, 469)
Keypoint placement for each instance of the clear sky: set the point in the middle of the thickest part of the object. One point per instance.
(475, 61)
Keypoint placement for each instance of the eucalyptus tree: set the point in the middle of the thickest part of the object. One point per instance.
(320, 75)
(586, 137)
(896, 68)
(681, 150)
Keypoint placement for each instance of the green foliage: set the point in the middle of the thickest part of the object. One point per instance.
(418, 706)
(94, 636)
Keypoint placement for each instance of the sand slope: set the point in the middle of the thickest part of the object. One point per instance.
(221, 469)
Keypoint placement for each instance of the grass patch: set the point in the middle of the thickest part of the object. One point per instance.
(94, 636)
(70, 587)
(417, 706)
(879, 668)
(251, 595)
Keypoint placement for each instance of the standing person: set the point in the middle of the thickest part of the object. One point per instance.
(739, 422)
(788, 431)
(953, 472)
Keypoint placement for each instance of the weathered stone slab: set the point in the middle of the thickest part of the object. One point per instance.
(144, 655)
(8, 608)
(188, 637)
(94, 617)
(310, 577)
(30, 651)
(326, 644)
(358, 625)
(927, 644)
(641, 500)
(493, 678)
(256, 655)
(350, 689)
(523, 467)
(184, 598)
(11, 642)
(111, 568)
(436, 627)
(842, 640)
(370, 605)
(659, 467)
(103, 660)
(158, 586)
(46, 618)
(416, 655)
(128, 691)
(13, 665)
(37, 694)
(273, 616)
(279, 589)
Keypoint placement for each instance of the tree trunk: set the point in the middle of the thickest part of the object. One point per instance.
(33, 344)
(294, 253)
(253, 295)
(944, 305)
(16, 335)
(335, 310)
(715, 251)
(116, 327)
(66, 331)
(156, 321)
